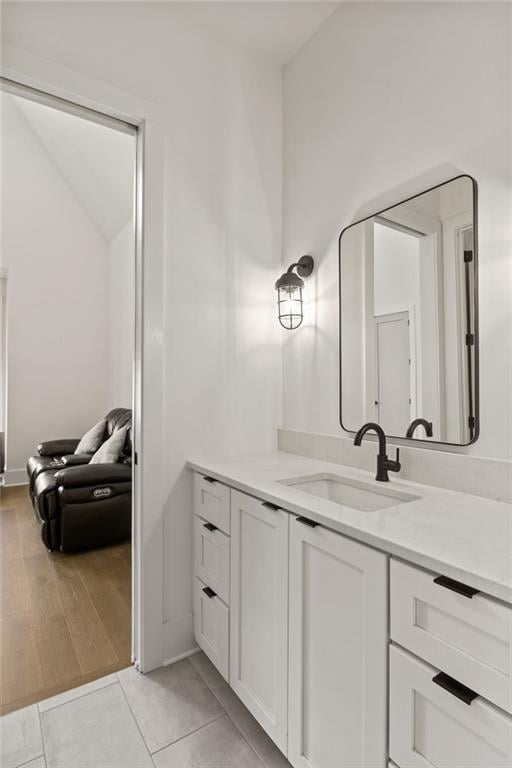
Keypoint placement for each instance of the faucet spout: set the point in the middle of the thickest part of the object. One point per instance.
(384, 465)
(372, 427)
(427, 425)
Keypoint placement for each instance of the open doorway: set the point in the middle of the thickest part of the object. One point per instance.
(67, 271)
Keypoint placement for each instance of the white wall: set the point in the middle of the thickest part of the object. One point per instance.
(121, 318)
(384, 101)
(396, 275)
(56, 263)
(221, 119)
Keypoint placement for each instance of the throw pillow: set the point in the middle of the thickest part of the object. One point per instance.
(92, 439)
(111, 449)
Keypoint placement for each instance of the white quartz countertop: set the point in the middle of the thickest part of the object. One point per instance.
(467, 538)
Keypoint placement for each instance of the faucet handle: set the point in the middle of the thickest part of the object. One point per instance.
(397, 461)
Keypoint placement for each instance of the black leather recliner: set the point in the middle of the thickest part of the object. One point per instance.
(82, 505)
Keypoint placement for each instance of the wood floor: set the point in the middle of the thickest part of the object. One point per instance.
(64, 619)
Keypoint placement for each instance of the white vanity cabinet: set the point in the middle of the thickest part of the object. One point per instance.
(448, 701)
(303, 628)
(211, 569)
(338, 650)
(431, 727)
(259, 611)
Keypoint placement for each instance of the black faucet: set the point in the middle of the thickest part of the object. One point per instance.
(383, 463)
(419, 423)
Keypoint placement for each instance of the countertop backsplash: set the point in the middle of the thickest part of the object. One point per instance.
(490, 478)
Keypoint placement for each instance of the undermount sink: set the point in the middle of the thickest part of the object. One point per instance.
(350, 493)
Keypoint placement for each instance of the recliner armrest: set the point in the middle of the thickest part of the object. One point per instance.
(58, 447)
(92, 474)
(76, 459)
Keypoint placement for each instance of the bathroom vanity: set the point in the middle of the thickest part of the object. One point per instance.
(361, 625)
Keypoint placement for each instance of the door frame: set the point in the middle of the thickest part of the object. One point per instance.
(67, 89)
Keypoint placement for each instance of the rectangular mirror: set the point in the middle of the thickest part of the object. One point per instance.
(408, 317)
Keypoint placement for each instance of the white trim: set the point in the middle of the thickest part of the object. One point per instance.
(64, 105)
(55, 80)
(15, 477)
(180, 657)
(453, 231)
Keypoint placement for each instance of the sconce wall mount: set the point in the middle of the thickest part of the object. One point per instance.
(289, 292)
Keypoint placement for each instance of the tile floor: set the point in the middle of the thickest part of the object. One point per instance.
(182, 716)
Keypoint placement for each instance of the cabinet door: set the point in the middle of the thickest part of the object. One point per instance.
(211, 557)
(211, 501)
(211, 626)
(259, 612)
(430, 727)
(338, 651)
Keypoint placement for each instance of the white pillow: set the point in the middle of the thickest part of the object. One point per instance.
(92, 439)
(112, 448)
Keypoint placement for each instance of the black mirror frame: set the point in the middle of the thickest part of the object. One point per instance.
(476, 396)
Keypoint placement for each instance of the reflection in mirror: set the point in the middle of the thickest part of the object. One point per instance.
(408, 317)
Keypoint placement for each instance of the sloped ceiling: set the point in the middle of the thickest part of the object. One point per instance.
(97, 162)
(273, 29)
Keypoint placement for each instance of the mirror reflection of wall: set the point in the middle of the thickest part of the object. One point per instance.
(407, 293)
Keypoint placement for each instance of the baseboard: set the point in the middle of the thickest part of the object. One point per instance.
(181, 656)
(15, 477)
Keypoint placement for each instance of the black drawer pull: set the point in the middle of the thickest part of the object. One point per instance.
(209, 592)
(455, 688)
(210, 527)
(307, 521)
(269, 505)
(456, 586)
(209, 479)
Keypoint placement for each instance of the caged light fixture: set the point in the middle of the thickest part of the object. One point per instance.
(289, 292)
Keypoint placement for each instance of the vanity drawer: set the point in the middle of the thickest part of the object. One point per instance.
(211, 626)
(468, 638)
(211, 557)
(430, 727)
(211, 501)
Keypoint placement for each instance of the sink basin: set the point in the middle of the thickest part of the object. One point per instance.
(350, 493)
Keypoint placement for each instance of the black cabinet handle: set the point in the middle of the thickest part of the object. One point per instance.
(209, 479)
(307, 521)
(456, 586)
(269, 505)
(209, 592)
(455, 688)
(210, 527)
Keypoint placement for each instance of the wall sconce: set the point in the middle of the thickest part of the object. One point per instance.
(289, 292)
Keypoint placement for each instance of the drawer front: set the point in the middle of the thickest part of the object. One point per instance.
(211, 501)
(211, 556)
(211, 627)
(431, 728)
(469, 639)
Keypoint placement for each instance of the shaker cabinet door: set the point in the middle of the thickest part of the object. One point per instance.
(338, 651)
(259, 612)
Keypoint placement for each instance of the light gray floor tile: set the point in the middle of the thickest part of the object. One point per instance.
(271, 756)
(218, 745)
(75, 693)
(39, 762)
(94, 731)
(169, 703)
(20, 737)
(208, 672)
